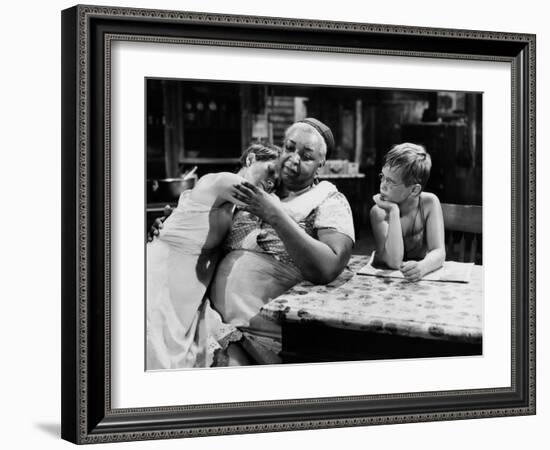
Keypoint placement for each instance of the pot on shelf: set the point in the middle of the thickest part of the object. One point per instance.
(169, 189)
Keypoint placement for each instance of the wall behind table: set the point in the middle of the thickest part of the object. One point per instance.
(30, 291)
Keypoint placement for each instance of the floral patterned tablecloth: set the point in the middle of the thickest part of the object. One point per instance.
(427, 309)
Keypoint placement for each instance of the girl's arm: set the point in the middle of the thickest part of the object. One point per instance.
(388, 237)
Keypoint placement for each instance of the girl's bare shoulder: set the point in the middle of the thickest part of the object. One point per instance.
(218, 179)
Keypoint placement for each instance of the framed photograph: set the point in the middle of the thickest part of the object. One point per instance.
(341, 204)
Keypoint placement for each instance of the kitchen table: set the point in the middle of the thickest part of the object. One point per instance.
(359, 317)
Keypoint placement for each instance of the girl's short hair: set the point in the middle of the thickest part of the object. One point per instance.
(263, 152)
(413, 160)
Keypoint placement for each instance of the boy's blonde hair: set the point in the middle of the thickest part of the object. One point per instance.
(413, 160)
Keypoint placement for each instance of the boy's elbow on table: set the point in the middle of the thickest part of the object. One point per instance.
(441, 255)
(436, 260)
(392, 263)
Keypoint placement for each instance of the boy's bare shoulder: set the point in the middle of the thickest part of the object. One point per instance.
(429, 197)
(430, 201)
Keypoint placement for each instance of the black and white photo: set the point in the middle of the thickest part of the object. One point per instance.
(311, 223)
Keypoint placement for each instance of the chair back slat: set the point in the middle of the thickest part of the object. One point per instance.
(463, 230)
(465, 218)
(473, 249)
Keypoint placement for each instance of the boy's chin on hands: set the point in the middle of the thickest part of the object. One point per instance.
(383, 202)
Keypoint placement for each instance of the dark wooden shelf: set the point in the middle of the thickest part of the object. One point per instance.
(209, 160)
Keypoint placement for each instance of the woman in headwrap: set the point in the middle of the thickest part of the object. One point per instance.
(274, 244)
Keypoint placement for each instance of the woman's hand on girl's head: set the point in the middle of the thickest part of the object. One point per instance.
(257, 201)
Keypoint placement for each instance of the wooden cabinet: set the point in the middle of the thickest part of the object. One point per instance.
(456, 175)
(354, 188)
(191, 123)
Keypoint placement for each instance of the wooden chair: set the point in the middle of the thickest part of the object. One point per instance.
(463, 232)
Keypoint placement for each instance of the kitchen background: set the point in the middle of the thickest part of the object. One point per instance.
(196, 127)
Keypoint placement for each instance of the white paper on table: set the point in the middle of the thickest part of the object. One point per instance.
(451, 271)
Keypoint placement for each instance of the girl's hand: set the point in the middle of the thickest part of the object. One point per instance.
(257, 201)
(384, 204)
(412, 270)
